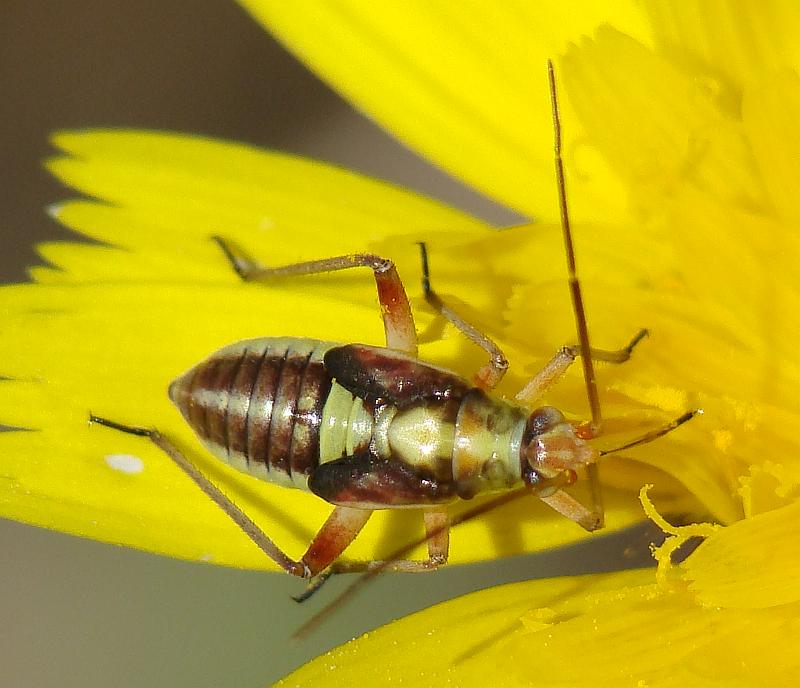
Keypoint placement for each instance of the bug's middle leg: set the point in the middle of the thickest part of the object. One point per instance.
(398, 321)
(437, 537)
(493, 371)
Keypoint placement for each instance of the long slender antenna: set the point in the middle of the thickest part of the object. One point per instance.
(575, 291)
(574, 284)
(655, 434)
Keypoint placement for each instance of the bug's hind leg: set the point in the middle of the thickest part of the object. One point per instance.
(258, 536)
(492, 372)
(398, 322)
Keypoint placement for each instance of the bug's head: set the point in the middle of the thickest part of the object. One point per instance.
(551, 446)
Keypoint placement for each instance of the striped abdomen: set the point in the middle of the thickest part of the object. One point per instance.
(258, 405)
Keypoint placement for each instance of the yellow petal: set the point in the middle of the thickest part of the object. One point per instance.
(764, 545)
(113, 325)
(661, 130)
(594, 631)
(727, 40)
(770, 112)
(465, 86)
(112, 350)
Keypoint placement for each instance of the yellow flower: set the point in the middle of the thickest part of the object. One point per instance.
(684, 172)
(110, 324)
(681, 168)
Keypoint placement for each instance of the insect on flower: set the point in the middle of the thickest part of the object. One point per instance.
(366, 427)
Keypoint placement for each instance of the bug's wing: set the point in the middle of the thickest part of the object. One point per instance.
(368, 482)
(397, 378)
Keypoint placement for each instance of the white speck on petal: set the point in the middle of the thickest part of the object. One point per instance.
(207, 557)
(125, 463)
(266, 223)
(54, 209)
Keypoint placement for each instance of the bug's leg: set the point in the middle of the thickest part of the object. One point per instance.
(341, 528)
(398, 322)
(536, 388)
(492, 372)
(345, 523)
(258, 536)
(550, 491)
(564, 358)
(437, 537)
(567, 505)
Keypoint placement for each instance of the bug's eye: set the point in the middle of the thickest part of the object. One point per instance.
(542, 420)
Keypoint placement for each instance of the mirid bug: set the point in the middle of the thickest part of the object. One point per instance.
(366, 427)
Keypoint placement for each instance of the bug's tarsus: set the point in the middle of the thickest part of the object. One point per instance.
(129, 429)
(619, 355)
(240, 265)
(426, 274)
(625, 352)
(492, 372)
(314, 584)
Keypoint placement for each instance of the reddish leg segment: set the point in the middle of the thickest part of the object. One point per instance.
(437, 537)
(398, 322)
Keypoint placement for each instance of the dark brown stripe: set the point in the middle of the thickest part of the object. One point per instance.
(239, 403)
(252, 370)
(217, 413)
(283, 416)
(202, 381)
(314, 391)
(262, 403)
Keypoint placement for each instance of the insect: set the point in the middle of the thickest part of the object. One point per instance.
(366, 427)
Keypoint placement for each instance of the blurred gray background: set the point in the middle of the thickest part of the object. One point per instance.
(79, 613)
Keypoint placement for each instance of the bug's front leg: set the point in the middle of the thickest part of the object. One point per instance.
(564, 358)
(588, 518)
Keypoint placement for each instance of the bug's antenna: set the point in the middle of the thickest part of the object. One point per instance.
(574, 284)
(575, 290)
(655, 434)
